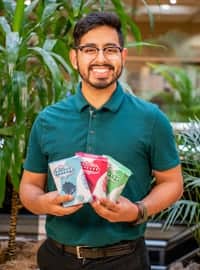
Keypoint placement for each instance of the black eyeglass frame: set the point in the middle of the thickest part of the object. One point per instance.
(81, 47)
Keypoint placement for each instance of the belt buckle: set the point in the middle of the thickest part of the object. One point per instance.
(78, 252)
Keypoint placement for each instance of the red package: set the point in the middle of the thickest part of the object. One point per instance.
(95, 169)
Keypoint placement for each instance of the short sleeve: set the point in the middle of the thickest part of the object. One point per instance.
(164, 154)
(36, 160)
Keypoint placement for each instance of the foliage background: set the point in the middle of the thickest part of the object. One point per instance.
(35, 71)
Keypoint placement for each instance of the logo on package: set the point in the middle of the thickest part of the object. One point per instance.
(63, 171)
(90, 167)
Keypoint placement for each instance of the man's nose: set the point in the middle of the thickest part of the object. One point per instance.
(100, 55)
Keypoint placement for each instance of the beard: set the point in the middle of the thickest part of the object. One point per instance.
(101, 83)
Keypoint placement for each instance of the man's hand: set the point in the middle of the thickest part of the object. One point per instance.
(51, 203)
(34, 198)
(121, 211)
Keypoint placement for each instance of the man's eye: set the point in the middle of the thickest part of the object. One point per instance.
(89, 50)
(112, 50)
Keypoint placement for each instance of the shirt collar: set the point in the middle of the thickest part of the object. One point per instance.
(81, 102)
(112, 104)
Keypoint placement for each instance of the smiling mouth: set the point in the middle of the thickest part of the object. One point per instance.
(101, 71)
(101, 67)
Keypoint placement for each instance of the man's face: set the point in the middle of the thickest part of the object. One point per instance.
(99, 68)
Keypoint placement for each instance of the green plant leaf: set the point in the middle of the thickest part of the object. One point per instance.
(49, 44)
(49, 11)
(151, 18)
(41, 90)
(7, 131)
(143, 43)
(18, 16)
(86, 5)
(52, 66)
(12, 49)
(30, 8)
(193, 183)
(5, 25)
(9, 6)
(102, 5)
(76, 5)
(134, 29)
(19, 87)
(173, 213)
(63, 63)
(2, 49)
(126, 20)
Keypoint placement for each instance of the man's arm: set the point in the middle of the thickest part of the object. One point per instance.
(36, 200)
(167, 190)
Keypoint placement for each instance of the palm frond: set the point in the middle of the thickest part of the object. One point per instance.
(187, 210)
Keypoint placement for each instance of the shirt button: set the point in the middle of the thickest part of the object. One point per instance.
(92, 131)
(89, 148)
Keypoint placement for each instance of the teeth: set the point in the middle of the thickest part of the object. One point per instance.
(100, 70)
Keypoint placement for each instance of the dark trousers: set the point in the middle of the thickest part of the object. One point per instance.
(50, 257)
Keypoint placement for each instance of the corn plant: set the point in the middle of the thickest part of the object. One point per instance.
(30, 79)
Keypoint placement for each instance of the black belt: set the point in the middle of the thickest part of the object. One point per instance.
(82, 252)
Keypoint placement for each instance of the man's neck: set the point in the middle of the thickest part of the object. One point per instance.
(97, 97)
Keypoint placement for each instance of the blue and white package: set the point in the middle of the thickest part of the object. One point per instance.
(70, 179)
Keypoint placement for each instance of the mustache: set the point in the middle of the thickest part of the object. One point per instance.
(104, 65)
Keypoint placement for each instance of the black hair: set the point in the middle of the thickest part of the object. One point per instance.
(94, 20)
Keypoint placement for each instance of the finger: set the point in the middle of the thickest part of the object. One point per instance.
(61, 210)
(103, 210)
(113, 206)
(106, 213)
(59, 199)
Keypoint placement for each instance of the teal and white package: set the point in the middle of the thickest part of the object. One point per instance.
(70, 179)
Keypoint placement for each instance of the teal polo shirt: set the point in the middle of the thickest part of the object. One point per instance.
(132, 131)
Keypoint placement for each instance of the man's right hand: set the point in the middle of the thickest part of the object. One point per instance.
(35, 199)
(51, 203)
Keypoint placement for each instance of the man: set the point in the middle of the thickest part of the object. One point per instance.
(100, 119)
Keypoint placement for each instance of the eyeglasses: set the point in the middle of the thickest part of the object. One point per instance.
(92, 51)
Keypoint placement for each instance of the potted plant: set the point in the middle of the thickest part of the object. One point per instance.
(187, 210)
(182, 100)
(185, 101)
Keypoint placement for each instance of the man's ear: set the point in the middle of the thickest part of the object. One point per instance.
(124, 55)
(73, 58)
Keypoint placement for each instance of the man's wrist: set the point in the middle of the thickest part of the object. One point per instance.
(142, 214)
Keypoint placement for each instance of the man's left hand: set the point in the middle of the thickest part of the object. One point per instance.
(121, 211)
